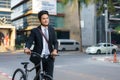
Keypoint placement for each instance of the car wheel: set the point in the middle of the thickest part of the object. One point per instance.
(98, 52)
(113, 51)
(63, 49)
(77, 49)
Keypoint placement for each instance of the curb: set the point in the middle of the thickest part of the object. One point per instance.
(17, 51)
(12, 52)
(107, 59)
(5, 76)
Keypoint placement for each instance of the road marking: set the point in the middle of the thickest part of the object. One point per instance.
(4, 76)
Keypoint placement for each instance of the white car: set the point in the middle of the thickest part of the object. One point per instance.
(68, 44)
(101, 48)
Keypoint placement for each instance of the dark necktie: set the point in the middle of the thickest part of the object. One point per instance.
(46, 44)
(46, 34)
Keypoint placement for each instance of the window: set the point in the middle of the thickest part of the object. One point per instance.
(5, 3)
(67, 43)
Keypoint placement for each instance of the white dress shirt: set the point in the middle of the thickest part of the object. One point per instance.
(45, 50)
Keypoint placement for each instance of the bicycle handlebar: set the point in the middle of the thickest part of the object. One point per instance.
(41, 56)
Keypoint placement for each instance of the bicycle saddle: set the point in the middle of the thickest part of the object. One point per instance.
(25, 63)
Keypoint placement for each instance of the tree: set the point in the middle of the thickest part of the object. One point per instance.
(77, 4)
(110, 7)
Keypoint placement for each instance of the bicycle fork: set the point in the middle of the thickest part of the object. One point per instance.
(41, 70)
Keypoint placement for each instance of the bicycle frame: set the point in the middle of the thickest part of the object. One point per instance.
(29, 70)
(41, 67)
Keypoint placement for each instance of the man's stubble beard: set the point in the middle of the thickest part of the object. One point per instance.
(44, 25)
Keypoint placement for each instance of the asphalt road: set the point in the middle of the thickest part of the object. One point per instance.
(68, 66)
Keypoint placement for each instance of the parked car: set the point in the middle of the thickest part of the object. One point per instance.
(68, 44)
(101, 48)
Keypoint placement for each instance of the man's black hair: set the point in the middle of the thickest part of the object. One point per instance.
(41, 13)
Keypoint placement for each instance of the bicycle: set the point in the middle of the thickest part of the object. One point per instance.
(20, 74)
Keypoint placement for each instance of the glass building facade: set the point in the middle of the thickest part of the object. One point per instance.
(5, 11)
(23, 17)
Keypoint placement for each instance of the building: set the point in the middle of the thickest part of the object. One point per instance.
(113, 23)
(5, 10)
(88, 27)
(93, 28)
(24, 16)
(7, 31)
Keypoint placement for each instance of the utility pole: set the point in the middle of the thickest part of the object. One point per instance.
(106, 21)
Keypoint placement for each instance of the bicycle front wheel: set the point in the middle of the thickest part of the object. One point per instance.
(18, 75)
(47, 77)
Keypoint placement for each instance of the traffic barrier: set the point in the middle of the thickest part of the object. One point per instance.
(115, 58)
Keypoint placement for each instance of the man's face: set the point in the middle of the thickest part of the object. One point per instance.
(44, 20)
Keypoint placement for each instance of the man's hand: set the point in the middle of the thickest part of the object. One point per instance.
(27, 51)
(54, 53)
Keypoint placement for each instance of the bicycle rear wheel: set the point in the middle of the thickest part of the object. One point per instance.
(18, 75)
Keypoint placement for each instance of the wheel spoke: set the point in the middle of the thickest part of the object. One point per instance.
(18, 75)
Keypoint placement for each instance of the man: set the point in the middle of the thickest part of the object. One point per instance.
(41, 45)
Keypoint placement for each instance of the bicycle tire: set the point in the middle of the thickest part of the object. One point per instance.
(48, 77)
(18, 75)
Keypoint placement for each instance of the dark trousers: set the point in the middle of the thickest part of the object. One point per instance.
(48, 66)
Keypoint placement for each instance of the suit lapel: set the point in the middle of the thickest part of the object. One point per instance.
(40, 35)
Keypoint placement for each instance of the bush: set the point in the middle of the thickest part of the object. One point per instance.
(18, 46)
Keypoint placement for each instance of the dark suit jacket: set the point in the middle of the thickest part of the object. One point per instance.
(36, 37)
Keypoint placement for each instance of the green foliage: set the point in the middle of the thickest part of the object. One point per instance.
(117, 28)
(110, 5)
(101, 3)
(111, 8)
(65, 1)
(86, 2)
(18, 46)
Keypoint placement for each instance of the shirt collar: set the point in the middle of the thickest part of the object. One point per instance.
(44, 27)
